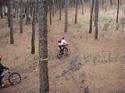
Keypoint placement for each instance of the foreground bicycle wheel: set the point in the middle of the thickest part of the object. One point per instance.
(14, 78)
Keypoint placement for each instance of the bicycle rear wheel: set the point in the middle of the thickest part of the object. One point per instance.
(14, 78)
(59, 55)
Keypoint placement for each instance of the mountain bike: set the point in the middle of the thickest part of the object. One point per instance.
(64, 53)
(11, 76)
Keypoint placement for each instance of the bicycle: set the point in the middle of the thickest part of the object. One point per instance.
(12, 77)
(63, 53)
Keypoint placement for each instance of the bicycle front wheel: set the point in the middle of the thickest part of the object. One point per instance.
(14, 78)
(66, 51)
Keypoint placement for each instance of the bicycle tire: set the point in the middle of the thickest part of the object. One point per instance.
(13, 79)
(66, 51)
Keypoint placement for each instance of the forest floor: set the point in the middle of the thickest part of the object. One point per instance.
(94, 66)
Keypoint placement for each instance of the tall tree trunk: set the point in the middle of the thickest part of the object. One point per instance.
(37, 10)
(76, 12)
(10, 21)
(21, 16)
(60, 10)
(91, 16)
(50, 11)
(66, 16)
(14, 9)
(33, 29)
(27, 13)
(82, 2)
(1, 10)
(53, 8)
(96, 18)
(117, 17)
(111, 2)
(43, 50)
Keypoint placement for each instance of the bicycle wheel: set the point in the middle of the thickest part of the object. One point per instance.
(66, 51)
(14, 78)
(59, 55)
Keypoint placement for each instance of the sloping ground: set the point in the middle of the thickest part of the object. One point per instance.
(93, 66)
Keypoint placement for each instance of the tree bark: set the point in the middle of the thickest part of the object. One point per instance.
(27, 13)
(76, 12)
(1, 10)
(50, 11)
(10, 21)
(66, 15)
(43, 50)
(21, 16)
(117, 17)
(33, 29)
(53, 8)
(91, 16)
(82, 2)
(111, 2)
(96, 18)
(60, 10)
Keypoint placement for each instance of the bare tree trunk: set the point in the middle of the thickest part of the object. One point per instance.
(117, 17)
(43, 50)
(1, 10)
(82, 2)
(60, 10)
(21, 16)
(111, 2)
(76, 14)
(55, 6)
(10, 21)
(33, 29)
(53, 9)
(96, 18)
(37, 9)
(66, 15)
(91, 16)
(27, 13)
(50, 11)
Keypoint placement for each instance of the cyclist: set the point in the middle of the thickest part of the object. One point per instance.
(2, 67)
(61, 44)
